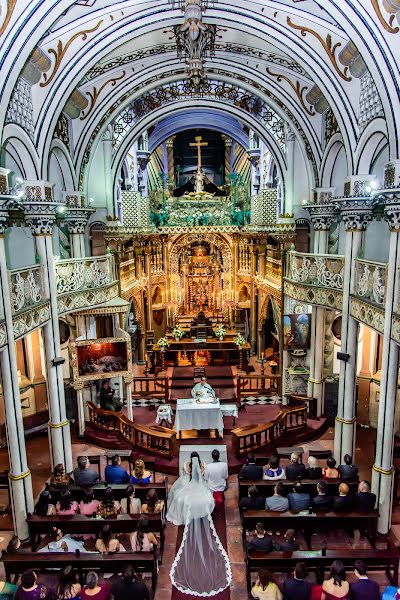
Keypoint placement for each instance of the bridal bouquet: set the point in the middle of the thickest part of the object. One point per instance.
(178, 332)
(163, 343)
(220, 331)
(239, 340)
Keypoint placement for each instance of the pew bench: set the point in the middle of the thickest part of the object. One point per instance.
(266, 487)
(311, 523)
(80, 524)
(319, 562)
(16, 563)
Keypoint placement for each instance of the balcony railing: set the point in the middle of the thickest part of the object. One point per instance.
(370, 281)
(321, 270)
(27, 289)
(84, 274)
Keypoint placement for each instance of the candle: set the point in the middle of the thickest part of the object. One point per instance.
(145, 357)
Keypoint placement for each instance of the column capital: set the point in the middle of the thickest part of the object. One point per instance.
(322, 216)
(324, 195)
(390, 199)
(356, 212)
(77, 219)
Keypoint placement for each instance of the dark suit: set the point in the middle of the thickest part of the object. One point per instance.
(364, 589)
(364, 501)
(313, 473)
(261, 544)
(251, 472)
(287, 546)
(253, 503)
(295, 471)
(348, 472)
(296, 589)
(323, 502)
(85, 476)
(298, 501)
(343, 503)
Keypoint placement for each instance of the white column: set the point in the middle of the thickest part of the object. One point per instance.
(107, 156)
(128, 396)
(383, 470)
(289, 181)
(81, 409)
(356, 213)
(20, 479)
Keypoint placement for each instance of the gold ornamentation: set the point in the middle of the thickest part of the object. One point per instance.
(19, 477)
(387, 26)
(96, 93)
(383, 471)
(298, 90)
(61, 51)
(11, 4)
(58, 425)
(345, 421)
(327, 46)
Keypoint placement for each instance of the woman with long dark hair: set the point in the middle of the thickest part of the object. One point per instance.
(143, 540)
(66, 505)
(108, 506)
(68, 588)
(336, 586)
(129, 504)
(44, 506)
(89, 505)
(106, 543)
(153, 504)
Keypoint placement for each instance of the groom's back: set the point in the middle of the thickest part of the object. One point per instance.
(216, 474)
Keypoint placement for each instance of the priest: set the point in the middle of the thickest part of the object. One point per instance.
(203, 392)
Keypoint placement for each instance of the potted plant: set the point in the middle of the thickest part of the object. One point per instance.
(163, 344)
(239, 341)
(220, 331)
(178, 333)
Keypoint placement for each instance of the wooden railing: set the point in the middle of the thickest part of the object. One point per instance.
(254, 437)
(157, 440)
(156, 387)
(257, 385)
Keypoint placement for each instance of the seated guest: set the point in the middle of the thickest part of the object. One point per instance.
(83, 475)
(290, 544)
(364, 588)
(299, 500)
(313, 470)
(296, 588)
(114, 473)
(364, 500)
(348, 471)
(143, 540)
(336, 586)
(66, 505)
(59, 477)
(106, 543)
(68, 588)
(107, 400)
(129, 504)
(7, 590)
(250, 470)
(153, 504)
(330, 471)
(56, 541)
(265, 588)
(253, 501)
(89, 505)
(140, 474)
(129, 587)
(108, 506)
(277, 502)
(273, 470)
(261, 542)
(44, 506)
(30, 589)
(295, 470)
(93, 590)
(343, 502)
(323, 501)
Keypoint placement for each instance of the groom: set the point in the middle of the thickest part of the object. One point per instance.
(216, 474)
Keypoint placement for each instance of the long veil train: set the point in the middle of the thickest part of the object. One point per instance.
(201, 566)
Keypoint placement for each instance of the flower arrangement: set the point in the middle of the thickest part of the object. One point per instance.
(163, 343)
(178, 332)
(239, 340)
(220, 331)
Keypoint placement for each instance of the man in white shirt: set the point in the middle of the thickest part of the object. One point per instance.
(216, 474)
(203, 392)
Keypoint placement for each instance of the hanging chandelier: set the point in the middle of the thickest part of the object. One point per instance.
(204, 4)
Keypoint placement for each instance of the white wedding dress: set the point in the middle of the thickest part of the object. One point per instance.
(201, 566)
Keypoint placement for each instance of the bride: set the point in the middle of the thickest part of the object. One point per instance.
(201, 566)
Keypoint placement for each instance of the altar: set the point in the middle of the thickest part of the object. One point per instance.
(193, 415)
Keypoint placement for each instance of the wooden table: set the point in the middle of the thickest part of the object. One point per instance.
(287, 452)
(225, 349)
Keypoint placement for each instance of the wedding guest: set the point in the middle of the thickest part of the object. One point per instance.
(253, 501)
(277, 502)
(129, 504)
(323, 501)
(330, 471)
(7, 590)
(250, 470)
(68, 588)
(89, 505)
(295, 470)
(298, 499)
(153, 504)
(140, 474)
(106, 543)
(265, 588)
(30, 589)
(313, 470)
(364, 500)
(114, 473)
(108, 506)
(129, 587)
(343, 502)
(44, 506)
(261, 542)
(216, 475)
(60, 478)
(143, 540)
(83, 475)
(336, 585)
(348, 471)
(66, 505)
(93, 590)
(273, 469)
(295, 588)
(289, 544)
(364, 588)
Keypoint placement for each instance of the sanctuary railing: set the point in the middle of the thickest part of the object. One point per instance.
(82, 274)
(153, 387)
(27, 290)
(320, 270)
(254, 437)
(257, 385)
(157, 440)
(370, 281)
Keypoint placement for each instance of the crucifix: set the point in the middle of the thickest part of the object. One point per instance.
(199, 144)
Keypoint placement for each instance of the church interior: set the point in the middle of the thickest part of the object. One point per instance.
(200, 250)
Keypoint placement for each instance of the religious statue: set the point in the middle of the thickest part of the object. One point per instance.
(199, 182)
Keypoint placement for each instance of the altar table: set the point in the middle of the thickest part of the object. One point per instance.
(190, 415)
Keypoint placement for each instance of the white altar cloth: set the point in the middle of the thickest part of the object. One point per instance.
(190, 415)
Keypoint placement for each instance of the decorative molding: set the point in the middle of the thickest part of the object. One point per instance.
(95, 93)
(298, 89)
(387, 26)
(3, 334)
(329, 298)
(20, 108)
(74, 301)
(30, 319)
(396, 328)
(367, 313)
(11, 4)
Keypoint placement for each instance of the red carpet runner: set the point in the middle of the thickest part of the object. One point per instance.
(220, 526)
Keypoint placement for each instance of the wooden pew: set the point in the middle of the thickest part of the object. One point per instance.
(266, 487)
(80, 524)
(16, 563)
(285, 562)
(311, 523)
